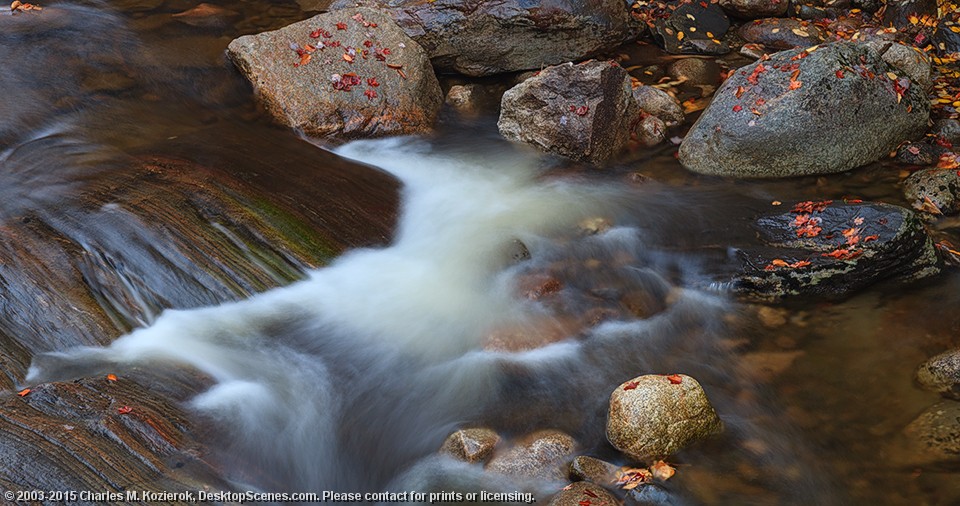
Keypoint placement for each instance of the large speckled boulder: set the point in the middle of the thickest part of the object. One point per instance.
(542, 454)
(352, 73)
(471, 445)
(580, 111)
(655, 416)
(583, 493)
(480, 38)
(942, 374)
(839, 107)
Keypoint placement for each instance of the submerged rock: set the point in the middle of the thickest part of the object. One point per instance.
(484, 38)
(799, 113)
(583, 493)
(655, 416)
(582, 111)
(352, 73)
(934, 190)
(542, 454)
(941, 374)
(832, 249)
(934, 436)
(471, 445)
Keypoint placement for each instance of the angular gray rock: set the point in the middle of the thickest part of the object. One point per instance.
(830, 250)
(471, 445)
(800, 113)
(940, 187)
(480, 38)
(542, 454)
(582, 111)
(352, 73)
(941, 374)
(655, 416)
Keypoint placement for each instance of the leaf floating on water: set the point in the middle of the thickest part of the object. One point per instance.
(662, 471)
(25, 392)
(123, 410)
(629, 478)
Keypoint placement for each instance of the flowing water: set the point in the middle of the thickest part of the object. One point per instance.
(350, 379)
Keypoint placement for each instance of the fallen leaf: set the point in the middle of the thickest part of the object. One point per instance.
(589, 493)
(675, 379)
(347, 58)
(631, 385)
(794, 85)
(629, 478)
(582, 110)
(662, 471)
(123, 410)
(737, 108)
(341, 26)
(25, 392)
(111, 377)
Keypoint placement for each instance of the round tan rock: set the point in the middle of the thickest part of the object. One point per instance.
(654, 416)
(471, 445)
(541, 454)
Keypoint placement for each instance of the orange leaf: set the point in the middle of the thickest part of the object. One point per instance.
(675, 379)
(23, 393)
(111, 377)
(779, 263)
(795, 85)
(124, 410)
(662, 471)
(347, 58)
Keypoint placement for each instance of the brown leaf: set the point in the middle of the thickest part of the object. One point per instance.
(662, 471)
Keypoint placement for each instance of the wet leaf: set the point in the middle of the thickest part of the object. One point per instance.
(629, 478)
(25, 392)
(111, 377)
(589, 493)
(373, 82)
(370, 94)
(341, 26)
(123, 410)
(737, 108)
(582, 110)
(631, 385)
(662, 471)
(675, 379)
(347, 58)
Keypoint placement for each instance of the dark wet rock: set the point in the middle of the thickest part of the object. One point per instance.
(473, 99)
(659, 103)
(899, 12)
(868, 5)
(651, 494)
(655, 416)
(696, 71)
(484, 38)
(542, 454)
(782, 33)
(753, 9)
(319, 95)
(813, 11)
(692, 28)
(583, 492)
(833, 249)
(582, 111)
(948, 130)
(946, 38)
(940, 187)
(851, 108)
(941, 374)
(584, 468)
(934, 436)
(919, 153)
(471, 445)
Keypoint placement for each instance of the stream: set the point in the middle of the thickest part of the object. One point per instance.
(343, 364)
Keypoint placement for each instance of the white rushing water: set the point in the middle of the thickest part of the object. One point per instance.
(301, 372)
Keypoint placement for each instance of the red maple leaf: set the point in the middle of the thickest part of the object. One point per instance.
(631, 385)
